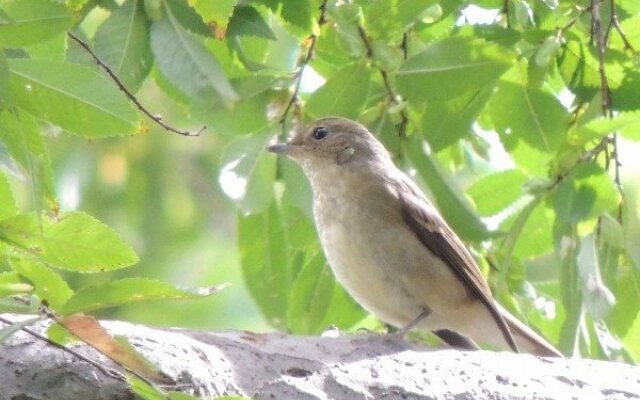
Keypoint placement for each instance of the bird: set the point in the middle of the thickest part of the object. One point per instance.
(390, 248)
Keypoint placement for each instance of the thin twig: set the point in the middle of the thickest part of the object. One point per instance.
(616, 24)
(601, 39)
(312, 40)
(106, 371)
(156, 118)
(393, 97)
(404, 46)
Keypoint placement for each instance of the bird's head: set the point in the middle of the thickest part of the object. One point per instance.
(332, 142)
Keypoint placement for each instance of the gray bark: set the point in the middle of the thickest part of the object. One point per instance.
(278, 366)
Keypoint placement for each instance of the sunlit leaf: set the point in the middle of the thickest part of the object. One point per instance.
(496, 191)
(126, 291)
(48, 285)
(248, 172)
(31, 21)
(72, 241)
(450, 68)
(218, 11)
(529, 114)
(344, 94)
(73, 97)
(445, 122)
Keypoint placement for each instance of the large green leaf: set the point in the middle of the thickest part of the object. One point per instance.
(73, 97)
(185, 61)
(31, 21)
(122, 42)
(126, 291)
(496, 191)
(73, 241)
(48, 285)
(450, 68)
(315, 302)
(248, 172)
(21, 135)
(388, 17)
(455, 208)
(4, 80)
(445, 122)
(529, 114)
(344, 94)
(266, 265)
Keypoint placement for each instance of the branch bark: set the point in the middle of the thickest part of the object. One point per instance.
(360, 366)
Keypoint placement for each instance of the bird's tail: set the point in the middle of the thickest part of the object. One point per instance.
(527, 340)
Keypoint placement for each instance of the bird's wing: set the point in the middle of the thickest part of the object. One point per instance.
(434, 233)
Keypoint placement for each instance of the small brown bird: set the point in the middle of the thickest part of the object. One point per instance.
(390, 248)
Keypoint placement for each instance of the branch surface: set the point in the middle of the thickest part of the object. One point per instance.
(263, 366)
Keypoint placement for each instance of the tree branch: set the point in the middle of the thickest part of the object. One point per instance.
(393, 96)
(308, 56)
(156, 118)
(339, 366)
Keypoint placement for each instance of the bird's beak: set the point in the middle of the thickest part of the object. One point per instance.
(280, 148)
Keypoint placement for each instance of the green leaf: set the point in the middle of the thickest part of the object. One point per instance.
(299, 13)
(31, 21)
(126, 291)
(74, 241)
(248, 172)
(627, 293)
(247, 21)
(266, 267)
(529, 114)
(73, 97)
(450, 68)
(313, 303)
(626, 122)
(8, 206)
(387, 17)
(496, 191)
(445, 122)
(11, 284)
(344, 94)
(122, 42)
(218, 12)
(21, 135)
(587, 193)
(455, 208)
(185, 61)
(48, 284)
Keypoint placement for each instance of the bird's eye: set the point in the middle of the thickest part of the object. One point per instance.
(320, 133)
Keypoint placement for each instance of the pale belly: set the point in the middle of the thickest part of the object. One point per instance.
(387, 270)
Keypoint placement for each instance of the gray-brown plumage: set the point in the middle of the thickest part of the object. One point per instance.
(389, 246)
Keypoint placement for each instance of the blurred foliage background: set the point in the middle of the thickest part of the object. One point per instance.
(519, 117)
